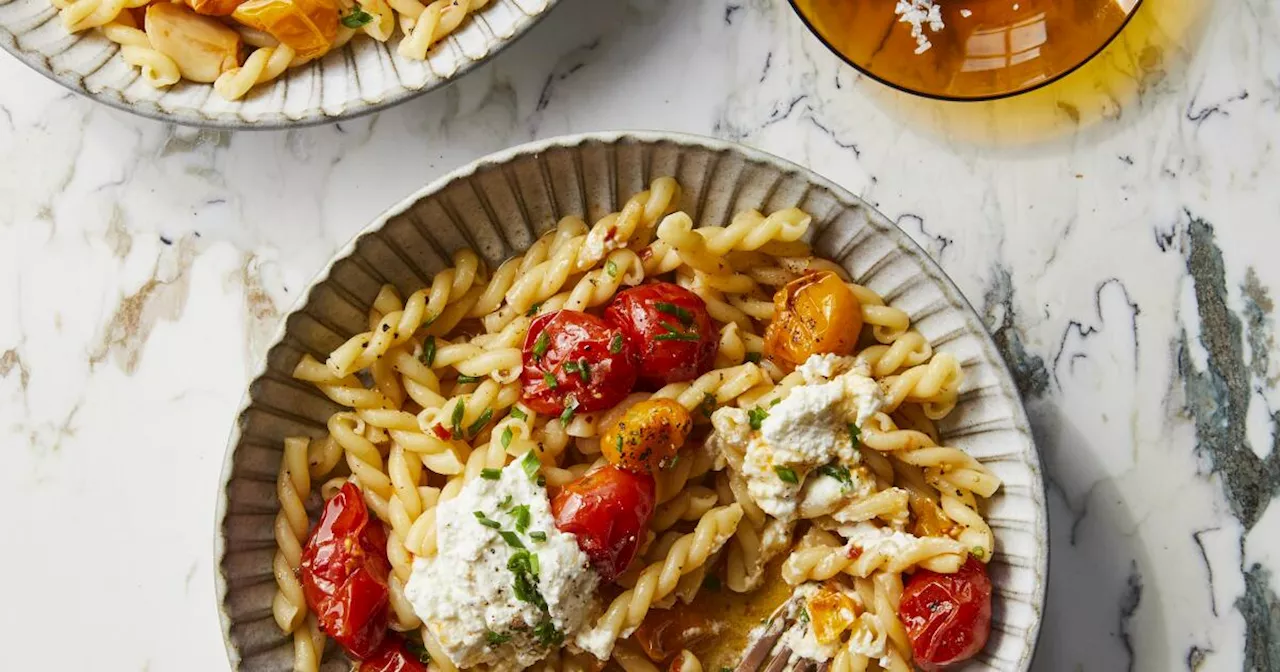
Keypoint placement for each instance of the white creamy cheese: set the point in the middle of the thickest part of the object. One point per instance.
(868, 538)
(466, 593)
(808, 429)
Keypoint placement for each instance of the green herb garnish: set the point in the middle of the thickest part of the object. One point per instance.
(786, 475)
(803, 617)
(538, 536)
(485, 520)
(458, 412)
(518, 414)
(464, 379)
(507, 435)
(708, 404)
(547, 634)
(978, 552)
(358, 18)
(480, 422)
(496, 639)
(855, 435)
(838, 472)
(491, 474)
(685, 317)
(533, 310)
(530, 464)
(506, 501)
(550, 380)
(511, 539)
(615, 344)
(676, 337)
(753, 357)
(756, 417)
(522, 517)
(428, 356)
(570, 407)
(611, 268)
(540, 345)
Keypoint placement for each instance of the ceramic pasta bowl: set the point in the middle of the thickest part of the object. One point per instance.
(497, 207)
(362, 77)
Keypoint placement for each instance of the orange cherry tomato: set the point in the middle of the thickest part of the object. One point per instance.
(647, 436)
(308, 26)
(214, 7)
(813, 314)
(344, 574)
(947, 616)
(607, 510)
(576, 361)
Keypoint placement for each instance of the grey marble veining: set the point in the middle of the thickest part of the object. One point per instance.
(1117, 232)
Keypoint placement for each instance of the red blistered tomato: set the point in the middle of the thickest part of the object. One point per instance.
(673, 335)
(344, 574)
(394, 656)
(608, 511)
(575, 360)
(947, 616)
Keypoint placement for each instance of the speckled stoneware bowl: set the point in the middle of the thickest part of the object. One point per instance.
(365, 76)
(497, 206)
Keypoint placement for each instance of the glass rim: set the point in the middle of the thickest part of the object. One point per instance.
(813, 30)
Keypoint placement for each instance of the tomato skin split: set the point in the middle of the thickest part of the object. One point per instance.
(608, 511)
(344, 574)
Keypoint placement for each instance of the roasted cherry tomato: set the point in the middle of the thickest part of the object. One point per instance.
(672, 332)
(308, 26)
(395, 656)
(813, 314)
(344, 574)
(665, 632)
(647, 436)
(947, 616)
(575, 360)
(607, 510)
(214, 7)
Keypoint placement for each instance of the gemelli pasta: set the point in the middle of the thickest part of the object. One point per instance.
(629, 425)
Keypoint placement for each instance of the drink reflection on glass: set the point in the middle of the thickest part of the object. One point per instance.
(966, 49)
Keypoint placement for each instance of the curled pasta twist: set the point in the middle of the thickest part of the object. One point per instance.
(822, 563)
(292, 486)
(659, 580)
(689, 504)
(909, 350)
(432, 23)
(935, 386)
(425, 306)
(749, 230)
(951, 465)
(157, 69)
(600, 284)
(85, 14)
(344, 390)
(364, 460)
(714, 388)
(263, 65)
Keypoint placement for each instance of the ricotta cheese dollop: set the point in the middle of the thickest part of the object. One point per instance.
(804, 453)
(505, 587)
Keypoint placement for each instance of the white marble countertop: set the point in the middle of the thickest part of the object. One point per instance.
(1117, 231)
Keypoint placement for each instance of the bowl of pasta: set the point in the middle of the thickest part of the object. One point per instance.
(636, 400)
(259, 64)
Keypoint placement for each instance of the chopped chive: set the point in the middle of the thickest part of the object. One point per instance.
(533, 310)
(786, 475)
(611, 268)
(540, 345)
(804, 615)
(534, 565)
(615, 344)
(491, 474)
(570, 407)
(584, 369)
(458, 412)
(547, 634)
(753, 357)
(571, 366)
(496, 639)
(838, 472)
(619, 444)
(507, 434)
(756, 417)
(506, 501)
(357, 19)
(538, 536)
(429, 351)
(480, 422)
(518, 414)
(530, 464)
(550, 379)
(978, 552)
(685, 317)
(676, 337)
(465, 379)
(484, 520)
(511, 539)
(522, 517)
(855, 435)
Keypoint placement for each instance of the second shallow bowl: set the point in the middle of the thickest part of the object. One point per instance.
(498, 206)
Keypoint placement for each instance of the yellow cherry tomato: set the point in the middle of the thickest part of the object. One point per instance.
(646, 437)
(814, 314)
(308, 26)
